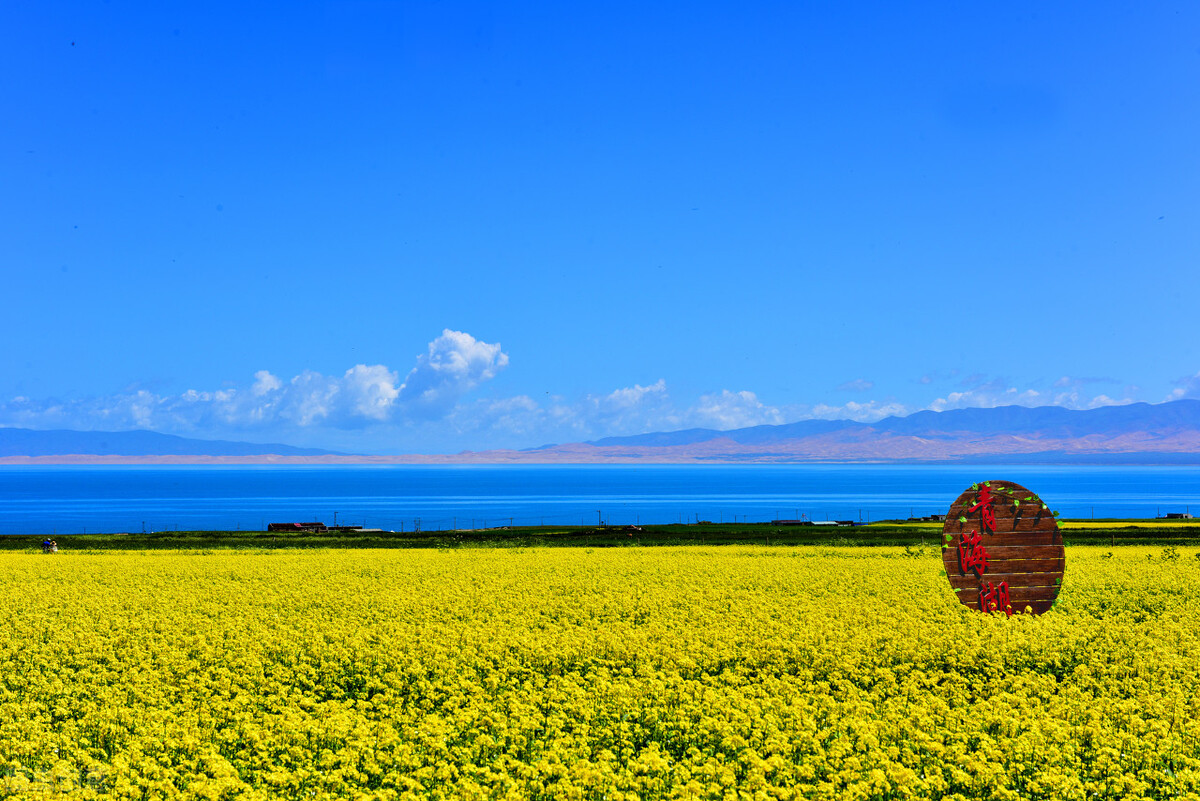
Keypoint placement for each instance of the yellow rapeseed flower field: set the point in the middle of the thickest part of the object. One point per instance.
(1189, 527)
(563, 673)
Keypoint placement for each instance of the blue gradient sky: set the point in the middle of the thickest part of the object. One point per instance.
(418, 226)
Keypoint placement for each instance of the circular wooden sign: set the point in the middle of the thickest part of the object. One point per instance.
(1002, 549)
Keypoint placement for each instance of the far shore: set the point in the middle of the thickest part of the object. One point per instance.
(598, 456)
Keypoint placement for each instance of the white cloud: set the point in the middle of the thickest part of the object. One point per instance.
(867, 412)
(1104, 400)
(370, 391)
(620, 401)
(516, 416)
(309, 398)
(636, 409)
(364, 395)
(629, 410)
(994, 393)
(728, 410)
(857, 385)
(1187, 387)
(987, 396)
(264, 382)
(454, 364)
(369, 406)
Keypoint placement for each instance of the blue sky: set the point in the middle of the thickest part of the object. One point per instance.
(423, 227)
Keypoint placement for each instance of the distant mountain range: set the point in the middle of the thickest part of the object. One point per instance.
(26, 442)
(1137, 433)
(1158, 426)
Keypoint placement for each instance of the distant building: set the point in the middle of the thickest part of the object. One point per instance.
(1178, 516)
(791, 522)
(315, 526)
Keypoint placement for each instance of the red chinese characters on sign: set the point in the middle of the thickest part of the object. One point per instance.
(983, 505)
(994, 597)
(972, 556)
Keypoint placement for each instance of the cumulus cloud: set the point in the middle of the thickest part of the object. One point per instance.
(264, 382)
(629, 410)
(620, 401)
(370, 391)
(309, 398)
(371, 406)
(728, 410)
(454, 364)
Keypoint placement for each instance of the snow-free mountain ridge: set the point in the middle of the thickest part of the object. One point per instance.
(27, 442)
(1136, 433)
(1042, 421)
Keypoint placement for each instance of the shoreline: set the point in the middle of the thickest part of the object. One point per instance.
(521, 458)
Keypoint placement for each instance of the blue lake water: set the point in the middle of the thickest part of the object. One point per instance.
(68, 500)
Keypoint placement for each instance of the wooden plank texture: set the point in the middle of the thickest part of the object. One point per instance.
(1017, 595)
(1023, 546)
(1026, 565)
(1023, 580)
(1052, 565)
(1033, 551)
